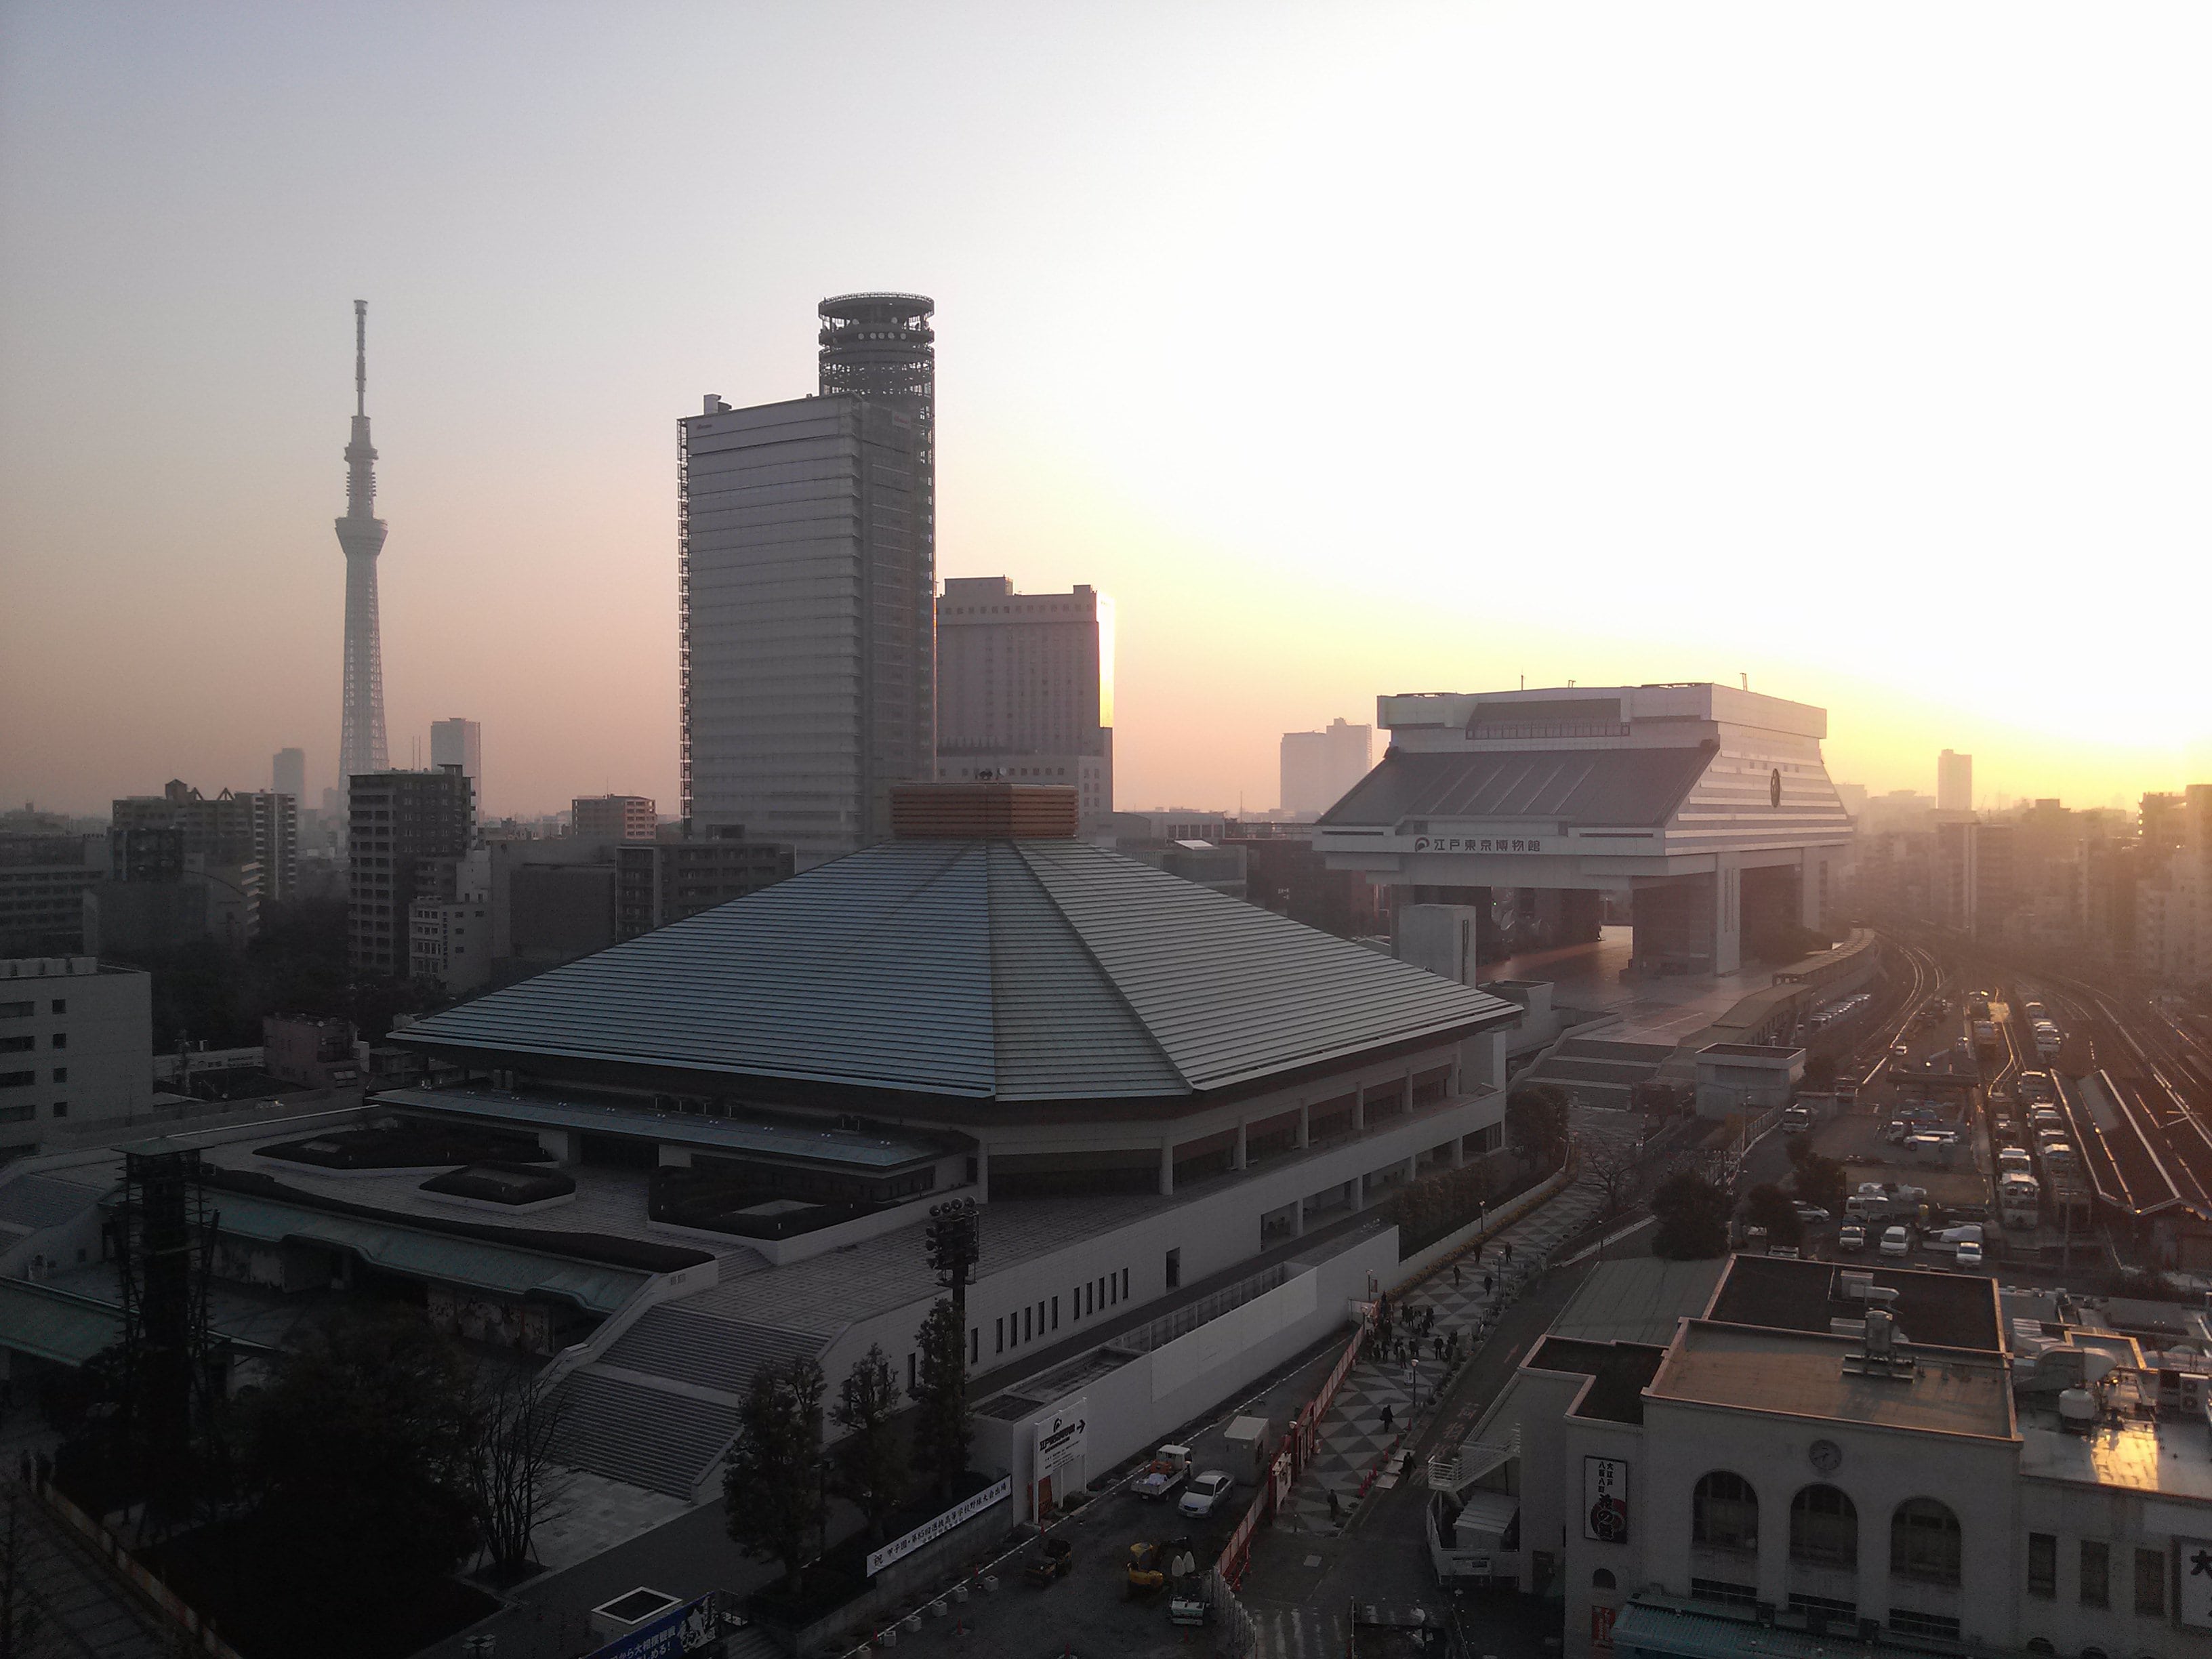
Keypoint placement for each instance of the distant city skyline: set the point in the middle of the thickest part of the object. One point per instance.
(1933, 375)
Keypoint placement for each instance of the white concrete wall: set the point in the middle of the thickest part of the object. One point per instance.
(1138, 1405)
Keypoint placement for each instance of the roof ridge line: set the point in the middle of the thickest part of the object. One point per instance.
(1113, 984)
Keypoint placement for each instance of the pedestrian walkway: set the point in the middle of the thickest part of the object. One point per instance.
(1375, 1405)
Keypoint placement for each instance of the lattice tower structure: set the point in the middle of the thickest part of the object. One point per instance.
(361, 535)
(164, 1234)
(882, 346)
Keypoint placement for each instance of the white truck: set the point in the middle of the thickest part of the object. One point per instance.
(1164, 1476)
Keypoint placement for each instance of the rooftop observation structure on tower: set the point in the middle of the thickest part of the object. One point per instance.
(1707, 808)
(361, 535)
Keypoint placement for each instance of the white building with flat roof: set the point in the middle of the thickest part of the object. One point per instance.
(77, 1045)
(1885, 1460)
(458, 742)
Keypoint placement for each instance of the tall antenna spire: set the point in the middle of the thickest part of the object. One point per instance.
(360, 534)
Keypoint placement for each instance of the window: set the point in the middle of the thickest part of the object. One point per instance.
(975, 1344)
(2040, 1643)
(1824, 1528)
(1125, 1284)
(1939, 1625)
(1175, 1269)
(16, 1045)
(2150, 1582)
(61, 1109)
(16, 1010)
(1026, 1331)
(2096, 1573)
(2042, 1564)
(61, 1074)
(1724, 1513)
(1717, 1589)
(1924, 1543)
(61, 1039)
(1056, 1313)
(909, 1374)
(1830, 1608)
(17, 1113)
(17, 1079)
(1601, 1579)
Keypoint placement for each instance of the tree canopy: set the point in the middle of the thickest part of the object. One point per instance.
(1692, 1218)
(772, 1487)
(1536, 1123)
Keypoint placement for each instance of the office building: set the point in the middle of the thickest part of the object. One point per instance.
(403, 827)
(77, 1045)
(156, 837)
(1025, 690)
(449, 923)
(805, 606)
(613, 817)
(665, 881)
(459, 742)
(1954, 782)
(361, 535)
(43, 880)
(288, 774)
(1320, 767)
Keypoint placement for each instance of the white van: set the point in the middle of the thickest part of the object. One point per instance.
(1896, 1241)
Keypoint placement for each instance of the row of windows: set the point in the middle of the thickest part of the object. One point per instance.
(24, 1079)
(2094, 1583)
(23, 1045)
(24, 1009)
(28, 1112)
(1824, 1528)
(1012, 1330)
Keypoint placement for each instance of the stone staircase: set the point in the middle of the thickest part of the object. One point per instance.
(659, 1407)
(1599, 1071)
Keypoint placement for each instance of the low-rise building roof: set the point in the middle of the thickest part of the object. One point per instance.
(1797, 1373)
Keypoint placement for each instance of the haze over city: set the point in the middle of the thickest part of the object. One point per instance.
(1352, 351)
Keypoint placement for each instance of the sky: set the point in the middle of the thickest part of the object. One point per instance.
(1352, 348)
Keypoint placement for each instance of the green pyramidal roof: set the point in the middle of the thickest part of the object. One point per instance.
(984, 970)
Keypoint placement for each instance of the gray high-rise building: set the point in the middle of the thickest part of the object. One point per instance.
(287, 775)
(459, 742)
(361, 533)
(806, 586)
(1954, 782)
(1320, 766)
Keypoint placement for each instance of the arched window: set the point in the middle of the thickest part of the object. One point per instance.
(1724, 1513)
(2040, 1644)
(1923, 1543)
(1824, 1528)
(1601, 1579)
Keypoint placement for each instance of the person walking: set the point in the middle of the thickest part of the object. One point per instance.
(1455, 1272)
(1388, 1416)
(1335, 1509)
(1487, 1283)
(1508, 1252)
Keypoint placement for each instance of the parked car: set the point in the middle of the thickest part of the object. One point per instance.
(1897, 1241)
(1851, 1236)
(1970, 1256)
(1811, 1212)
(1205, 1492)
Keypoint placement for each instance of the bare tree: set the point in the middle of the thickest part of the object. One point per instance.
(517, 1485)
(1612, 1167)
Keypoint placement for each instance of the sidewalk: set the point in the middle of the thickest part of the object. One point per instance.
(1353, 1442)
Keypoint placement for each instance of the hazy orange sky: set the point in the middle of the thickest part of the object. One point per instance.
(1352, 349)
